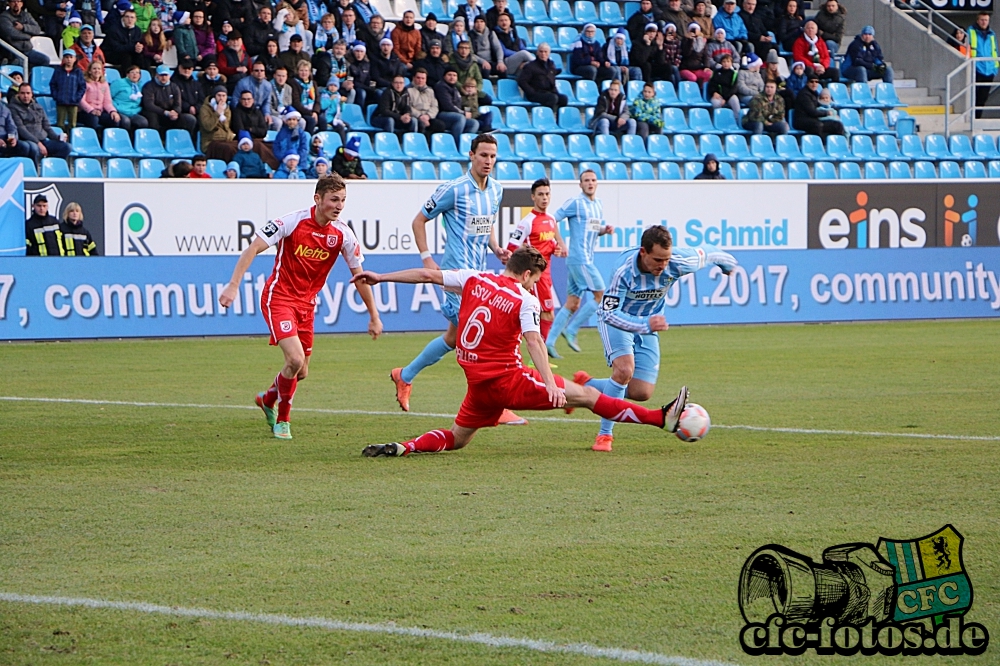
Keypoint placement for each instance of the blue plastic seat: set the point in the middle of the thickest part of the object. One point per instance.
(508, 91)
(674, 121)
(416, 148)
(875, 171)
(355, 118)
(937, 147)
(913, 148)
(851, 120)
(331, 142)
(526, 148)
(586, 92)
(544, 33)
(504, 150)
(544, 121)
(985, 147)
(863, 148)
(120, 167)
(431, 7)
(725, 122)
(747, 171)
(499, 126)
(692, 169)
(949, 169)
(422, 170)
(887, 147)
(899, 171)
(685, 148)
(924, 169)
(216, 169)
(788, 148)
(49, 107)
(522, 32)
(488, 89)
(850, 171)
(150, 168)
(659, 148)
(592, 166)
(616, 171)
(554, 148)
(606, 147)
(701, 122)
(689, 94)
(54, 167)
(87, 167)
(40, 78)
(85, 143)
(557, 61)
(634, 149)
(451, 170)
(726, 169)
(839, 150)
(634, 90)
(535, 13)
(798, 170)
(534, 170)
(371, 170)
(861, 95)
(118, 143)
(712, 143)
(387, 147)
(393, 170)
(774, 170)
(148, 144)
(563, 171)
(812, 148)
(580, 148)
(668, 171)
(994, 167)
(518, 119)
(666, 94)
(642, 171)
(885, 95)
(562, 14)
(762, 148)
(611, 13)
(738, 149)
(974, 169)
(840, 96)
(564, 87)
(28, 166)
(875, 122)
(570, 120)
(585, 12)
(825, 171)
(961, 147)
(179, 144)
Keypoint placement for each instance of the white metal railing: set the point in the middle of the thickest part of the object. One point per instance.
(960, 87)
(17, 54)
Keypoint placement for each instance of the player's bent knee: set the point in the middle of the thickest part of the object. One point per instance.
(640, 393)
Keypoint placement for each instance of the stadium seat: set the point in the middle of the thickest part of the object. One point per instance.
(875, 122)
(450, 170)
(701, 122)
(496, 119)
(726, 169)
(563, 171)
(611, 14)
(899, 171)
(508, 91)
(49, 106)
(685, 148)
(534, 170)
(924, 169)
(788, 148)
(120, 167)
(558, 62)
(838, 149)
(797, 170)
(774, 170)
(669, 171)
(562, 14)
(592, 166)
(949, 169)
(393, 170)
(642, 171)
(712, 143)
(87, 167)
(985, 147)
(85, 143)
(851, 120)
(28, 164)
(666, 93)
(355, 118)
(634, 90)
(994, 167)
(554, 148)
(634, 149)
(692, 169)
(887, 147)
(387, 147)
(885, 95)
(863, 148)
(270, 136)
(150, 168)
(518, 120)
(913, 148)
(526, 148)
(488, 89)
(937, 147)
(148, 144)
(580, 148)
(747, 171)
(544, 121)
(606, 147)
(216, 169)
(522, 31)
(975, 169)
(725, 122)
(535, 13)
(812, 148)
(431, 6)
(850, 171)
(118, 143)
(331, 142)
(415, 147)
(564, 87)
(40, 78)
(616, 171)
(825, 171)
(861, 95)
(367, 150)
(371, 169)
(738, 149)
(689, 94)
(660, 149)
(585, 12)
(841, 97)
(504, 150)
(544, 33)
(586, 92)
(875, 171)
(674, 121)
(179, 144)
(570, 120)
(762, 148)
(54, 167)
(422, 170)
(961, 147)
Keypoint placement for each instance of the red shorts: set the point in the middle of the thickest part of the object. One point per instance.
(520, 389)
(543, 291)
(286, 319)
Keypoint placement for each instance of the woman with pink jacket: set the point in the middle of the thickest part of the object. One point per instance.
(98, 110)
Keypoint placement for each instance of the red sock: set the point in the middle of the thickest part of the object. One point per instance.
(434, 441)
(271, 394)
(286, 391)
(546, 326)
(623, 411)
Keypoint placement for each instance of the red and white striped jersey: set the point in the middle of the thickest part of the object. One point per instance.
(306, 254)
(496, 310)
(537, 230)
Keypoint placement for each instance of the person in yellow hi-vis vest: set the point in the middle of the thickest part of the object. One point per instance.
(983, 44)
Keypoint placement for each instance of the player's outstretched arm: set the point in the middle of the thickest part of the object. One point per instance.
(540, 356)
(420, 238)
(229, 294)
(502, 253)
(409, 276)
(365, 291)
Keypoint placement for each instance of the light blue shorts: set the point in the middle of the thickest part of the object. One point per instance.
(450, 307)
(644, 347)
(583, 278)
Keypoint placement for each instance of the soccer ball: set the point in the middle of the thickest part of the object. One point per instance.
(694, 423)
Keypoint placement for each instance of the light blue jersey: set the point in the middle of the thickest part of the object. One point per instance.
(586, 218)
(469, 215)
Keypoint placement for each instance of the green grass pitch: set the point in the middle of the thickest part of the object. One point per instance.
(525, 533)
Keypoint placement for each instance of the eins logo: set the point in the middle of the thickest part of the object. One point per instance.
(864, 226)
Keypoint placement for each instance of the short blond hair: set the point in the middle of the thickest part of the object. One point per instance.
(70, 207)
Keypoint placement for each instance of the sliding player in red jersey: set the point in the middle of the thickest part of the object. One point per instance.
(540, 230)
(308, 244)
(496, 311)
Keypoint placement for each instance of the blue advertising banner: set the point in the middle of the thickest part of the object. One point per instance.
(110, 297)
(11, 208)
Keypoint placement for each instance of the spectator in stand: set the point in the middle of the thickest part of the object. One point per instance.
(728, 18)
(179, 169)
(797, 79)
(216, 119)
(429, 32)
(288, 24)
(702, 17)
(9, 144)
(423, 103)
(811, 50)
(326, 34)
(320, 168)
(237, 13)
(204, 38)
(772, 74)
(292, 137)
(270, 58)
(718, 47)
(386, 65)
(87, 50)
(616, 53)
(289, 169)
(809, 117)
(67, 86)
(465, 63)
(722, 86)
(456, 35)
(393, 112)
(374, 33)
(788, 27)
(406, 41)
(347, 160)
(210, 78)
(249, 162)
(361, 71)
(469, 11)
(758, 35)
(749, 82)
(647, 52)
(767, 112)
(33, 128)
(647, 112)
(145, 12)
(471, 105)
(308, 98)
(710, 169)
(611, 115)
(515, 51)
(154, 43)
(258, 31)
(71, 31)
(366, 11)
(97, 105)
(295, 54)
(959, 41)
(16, 79)
(587, 59)
(249, 119)
(830, 20)
(538, 80)
(694, 56)
(260, 88)
(451, 113)
(192, 91)
(161, 104)
(864, 59)
(199, 167)
(233, 171)
(494, 13)
(433, 63)
(77, 241)
(638, 23)
(486, 49)
(350, 31)
(666, 66)
(126, 97)
(330, 106)
(234, 63)
(675, 14)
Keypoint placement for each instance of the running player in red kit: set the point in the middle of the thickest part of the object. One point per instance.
(496, 311)
(308, 244)
(539, 230)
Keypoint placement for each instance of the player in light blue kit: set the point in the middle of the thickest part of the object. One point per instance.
(631, 314)
(469, 207)
(586, 222)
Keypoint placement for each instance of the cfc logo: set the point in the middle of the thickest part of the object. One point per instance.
(315, 253)
(864, 225)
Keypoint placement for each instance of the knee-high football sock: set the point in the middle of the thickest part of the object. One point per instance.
(434, 441)
(612, 389)
(562, 318)
(622, 411)
(582, 316)
(545, 325)
(432, 353)
(271, 394)
(286, 391)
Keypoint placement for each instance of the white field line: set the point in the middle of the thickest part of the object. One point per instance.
(555, 419)
(584, 649)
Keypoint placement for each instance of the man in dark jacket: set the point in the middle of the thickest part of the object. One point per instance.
(538, 80)
(258, 31)
(123, 45)
(710, 169)
(393, 112)
(674, 14)
(192, 94)
(360, 70)
(830, 20)
(161, 104)
(248, 117)
(294, 55)
(386, 65)
(647, 14)
(809, 117)
(17, 27)
(42, 237)
(864, 59)
(433, 63)
(646, 52)
(493, 14)
(33, 128)
(234, 63)
(451, 113)
(757, 32)
(429, 32)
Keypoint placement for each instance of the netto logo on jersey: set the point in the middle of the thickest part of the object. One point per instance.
(314, 253)
(136, 223)
(862, 227)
